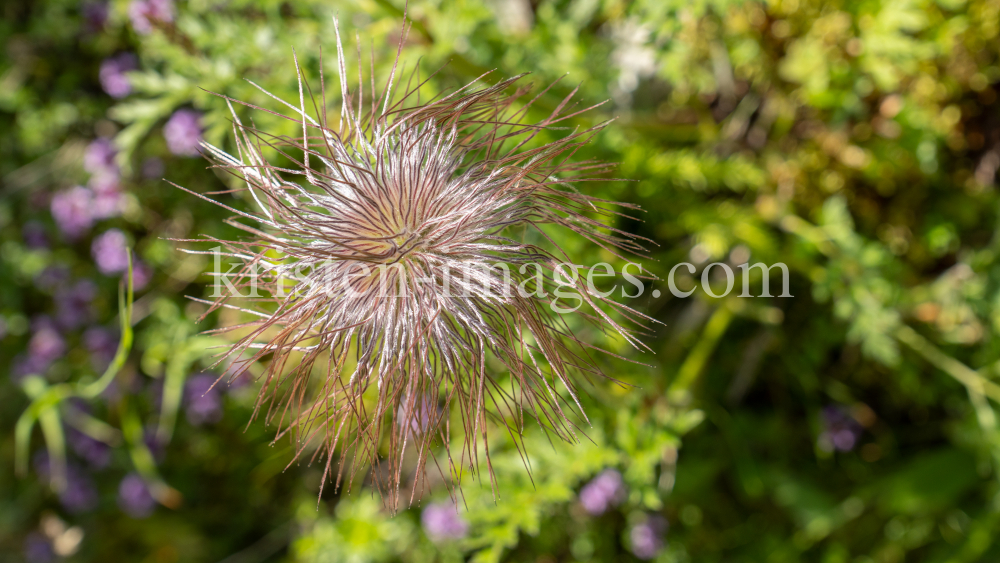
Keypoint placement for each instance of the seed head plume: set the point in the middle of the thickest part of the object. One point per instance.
(408, 259)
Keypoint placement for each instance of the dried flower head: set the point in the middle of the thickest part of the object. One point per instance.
(404, 292)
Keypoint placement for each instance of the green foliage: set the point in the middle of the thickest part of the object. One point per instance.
(855, 142)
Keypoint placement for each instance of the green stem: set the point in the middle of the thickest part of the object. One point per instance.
(143, 460)
(44, 407)
(95, 388)
(696, 360)
(961, 372)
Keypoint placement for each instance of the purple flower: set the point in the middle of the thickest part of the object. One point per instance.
(71, 210)
(110, 251)
(34, 235)
(102, 345)
(37, 549)
(647, 537)
(94, 452)
(442, 521)
(144, 13)
(203, 399)
(46, 346)
(134, 497)
(840, 430)
(100, 156)
(183, 132)
(603, 491)
(107, 197)
(112, 75)
(73, 305)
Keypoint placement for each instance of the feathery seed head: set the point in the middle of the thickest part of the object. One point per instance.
(401, 278)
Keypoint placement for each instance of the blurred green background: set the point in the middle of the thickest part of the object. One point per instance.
(856, 142)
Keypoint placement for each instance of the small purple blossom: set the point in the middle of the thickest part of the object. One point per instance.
(46, 346)
(100, 156)
(74, 304)
(647, 537)
(203, 399)
(442, 522)
(183, 132)
(602, 492)
(134, 497)
(34, 235)
(840, 430)
(107, 197)
(113, 77)
(144, 13)
(110, 252)
(71, 210)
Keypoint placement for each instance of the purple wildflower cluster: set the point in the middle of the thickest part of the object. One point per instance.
(110, 252)
(77, 209)
(71, 210)
(840, 430)
(145, 14)
(183, 132)
(442, 522)
(74, 300)
(646, 538)
(80, 495)
(114, 81)
(602, 492)
(99, 159)
(74, 309)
